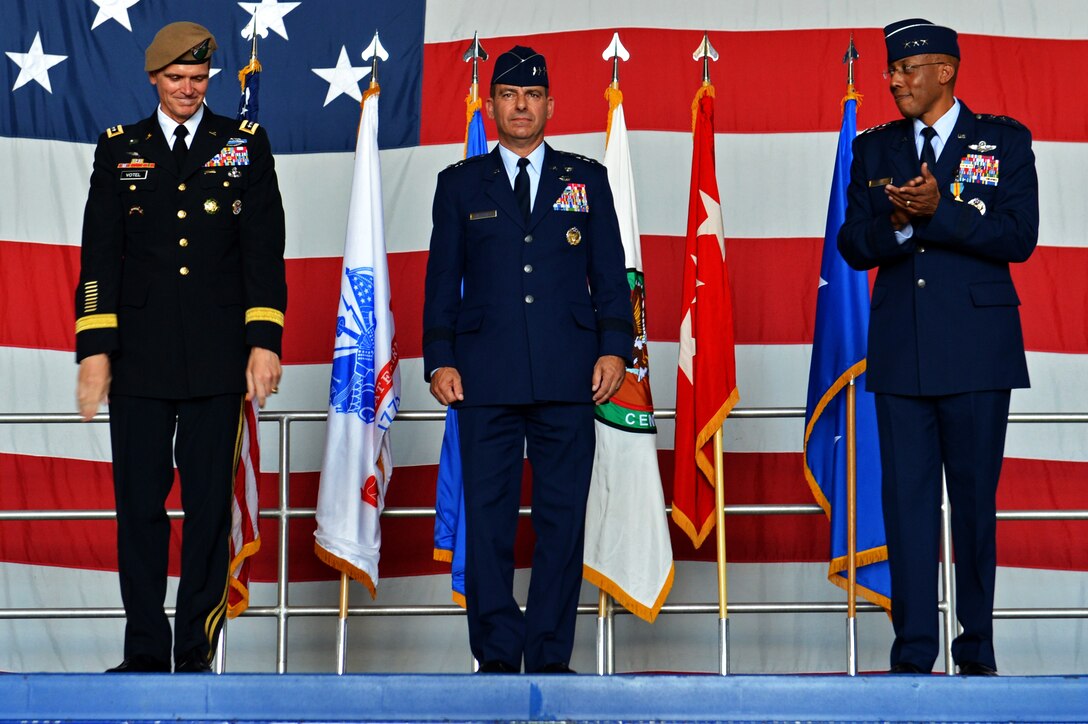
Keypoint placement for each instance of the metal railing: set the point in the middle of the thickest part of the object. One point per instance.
(282, 611)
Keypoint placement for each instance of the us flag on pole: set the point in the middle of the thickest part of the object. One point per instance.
(706, 377)
(245, 536)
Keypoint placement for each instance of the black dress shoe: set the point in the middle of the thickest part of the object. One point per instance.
(557, 668)
(498, 667)
(973, 668)
(140, 664)
(193, 663)
(905, 667)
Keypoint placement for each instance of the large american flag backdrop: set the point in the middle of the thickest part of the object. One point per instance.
(71, 68)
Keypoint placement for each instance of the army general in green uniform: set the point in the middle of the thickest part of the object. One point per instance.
(179, 319)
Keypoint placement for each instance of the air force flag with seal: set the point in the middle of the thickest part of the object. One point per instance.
(365, 390)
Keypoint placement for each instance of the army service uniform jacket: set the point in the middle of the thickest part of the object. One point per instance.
(543, 299)
(945, 314)
(182, 269)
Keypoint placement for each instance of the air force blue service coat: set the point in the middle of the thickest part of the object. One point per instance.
(182, 269)
(945, 317)
(542, 299)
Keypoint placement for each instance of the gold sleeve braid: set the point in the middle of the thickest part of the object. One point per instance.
(264, 314)
(96, 321)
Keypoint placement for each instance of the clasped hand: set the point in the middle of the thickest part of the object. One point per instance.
(915, 199)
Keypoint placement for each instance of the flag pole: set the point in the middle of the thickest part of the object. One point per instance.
(851, 476)
(706, 53)
(342, 628)
(851, 528)
(605, 617)
(719, 525)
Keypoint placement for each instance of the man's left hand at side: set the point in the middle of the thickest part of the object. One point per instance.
(608, 376)
(263, 374)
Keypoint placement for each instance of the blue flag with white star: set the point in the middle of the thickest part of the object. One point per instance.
(839, 346)
(449, 520)
(60, 55)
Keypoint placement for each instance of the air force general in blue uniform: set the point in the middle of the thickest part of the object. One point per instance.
(941, 203)
(539, 335)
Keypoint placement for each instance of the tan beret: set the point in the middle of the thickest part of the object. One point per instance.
(181, 42)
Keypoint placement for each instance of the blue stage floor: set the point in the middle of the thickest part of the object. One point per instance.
(457, 698)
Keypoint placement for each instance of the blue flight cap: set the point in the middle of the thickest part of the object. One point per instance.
(520, 66)
(917, 37)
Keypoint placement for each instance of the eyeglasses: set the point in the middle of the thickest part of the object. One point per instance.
(907, 70)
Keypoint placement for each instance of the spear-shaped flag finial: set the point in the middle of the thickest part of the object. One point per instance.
(373, 52)
(616, 52)
(849, 58)
(475, 53)
(706, 53)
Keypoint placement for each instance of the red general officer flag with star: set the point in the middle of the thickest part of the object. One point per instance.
(706, 377)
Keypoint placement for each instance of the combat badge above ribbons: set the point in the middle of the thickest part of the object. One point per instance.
(573, 198)
(230, 155)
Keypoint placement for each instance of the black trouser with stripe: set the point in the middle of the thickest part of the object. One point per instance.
(204, 434)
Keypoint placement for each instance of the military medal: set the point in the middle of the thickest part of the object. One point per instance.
(573, 198)
(211, 206)
(979, 169)
(957, 189)
(236, 207)
(574, 237)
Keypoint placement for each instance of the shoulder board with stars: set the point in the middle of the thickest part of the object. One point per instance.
(249, 127)
(1003, 120)
(881, 127)
(114, 131)
(587, 159)
(470, 159)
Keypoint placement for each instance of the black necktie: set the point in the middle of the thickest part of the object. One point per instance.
(521, 187)
(179, 145)
(928, 156)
